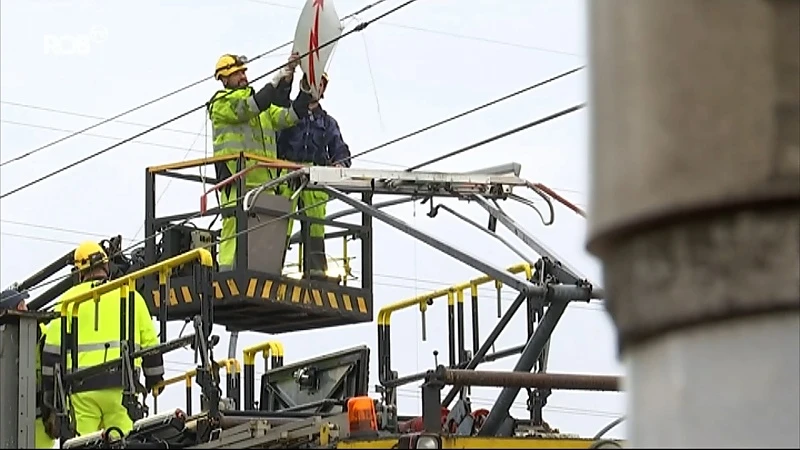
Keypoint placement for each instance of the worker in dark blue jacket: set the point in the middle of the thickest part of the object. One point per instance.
(314, 140)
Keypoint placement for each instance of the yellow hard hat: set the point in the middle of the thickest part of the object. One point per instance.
(88, 254)
(228, 64)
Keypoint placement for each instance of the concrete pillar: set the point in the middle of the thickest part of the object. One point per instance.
(695, 214)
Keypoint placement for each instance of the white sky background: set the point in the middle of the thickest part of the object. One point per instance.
(431, 60)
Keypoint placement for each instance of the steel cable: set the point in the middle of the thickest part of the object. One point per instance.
(170, 94)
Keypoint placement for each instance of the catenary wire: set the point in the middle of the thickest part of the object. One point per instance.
(498, 136)
(425, 128)
(448, 33)
(170, 94)
(148, 143)
(90, 116)
(465, 113)
(360, 27)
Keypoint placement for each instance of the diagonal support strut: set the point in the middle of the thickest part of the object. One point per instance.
(497, 273)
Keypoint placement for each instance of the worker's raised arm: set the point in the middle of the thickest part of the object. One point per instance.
(283, 93)
(152, 365)
(338, 150)
(282, 118)
(240, 105)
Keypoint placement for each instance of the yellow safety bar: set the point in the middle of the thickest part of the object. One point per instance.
(205, 161)
(127, 283)
(454, 294)
(385, 313)
(267, 349)
(231, 366)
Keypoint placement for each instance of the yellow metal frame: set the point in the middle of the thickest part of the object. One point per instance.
(211, 160)
(452, 292)
(127, 283)
(267, 349)
(231, 366)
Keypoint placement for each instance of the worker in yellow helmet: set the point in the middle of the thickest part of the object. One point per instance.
(13, 298)
(245, 120)
(97, 401)
(316, 140)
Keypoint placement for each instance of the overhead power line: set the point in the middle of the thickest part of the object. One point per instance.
(170, 94)
(466, 113)
(444, 33)
(102, 136)
(90, 116)
(359, 154)
(499, 136)
(184, 149)
(360, 27)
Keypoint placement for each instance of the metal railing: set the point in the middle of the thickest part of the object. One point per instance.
(272, 352)
(245, 163)
(232, 375)
(455, 321)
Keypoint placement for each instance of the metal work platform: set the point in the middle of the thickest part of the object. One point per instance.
(254, 294)
(254, 301)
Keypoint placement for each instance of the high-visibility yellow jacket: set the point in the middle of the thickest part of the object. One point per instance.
(239, 126)
(98, 340)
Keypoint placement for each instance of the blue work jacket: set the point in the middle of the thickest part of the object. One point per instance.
(315, 139)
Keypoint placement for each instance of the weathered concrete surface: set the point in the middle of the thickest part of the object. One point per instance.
(695, 214)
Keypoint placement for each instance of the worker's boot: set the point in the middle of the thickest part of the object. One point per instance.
(317, 261)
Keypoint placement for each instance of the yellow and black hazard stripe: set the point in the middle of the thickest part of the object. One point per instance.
(282, 291)
(270, 290)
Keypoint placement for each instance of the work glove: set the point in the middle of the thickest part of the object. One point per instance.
(151, 382)
(306, 88)
(285, 75)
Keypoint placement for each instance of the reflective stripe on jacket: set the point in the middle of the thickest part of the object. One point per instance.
(238, 126)
(316, 139)
(98, 340)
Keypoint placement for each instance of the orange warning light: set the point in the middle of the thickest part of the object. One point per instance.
(361, 414)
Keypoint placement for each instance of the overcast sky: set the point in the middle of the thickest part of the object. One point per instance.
(429, 61)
